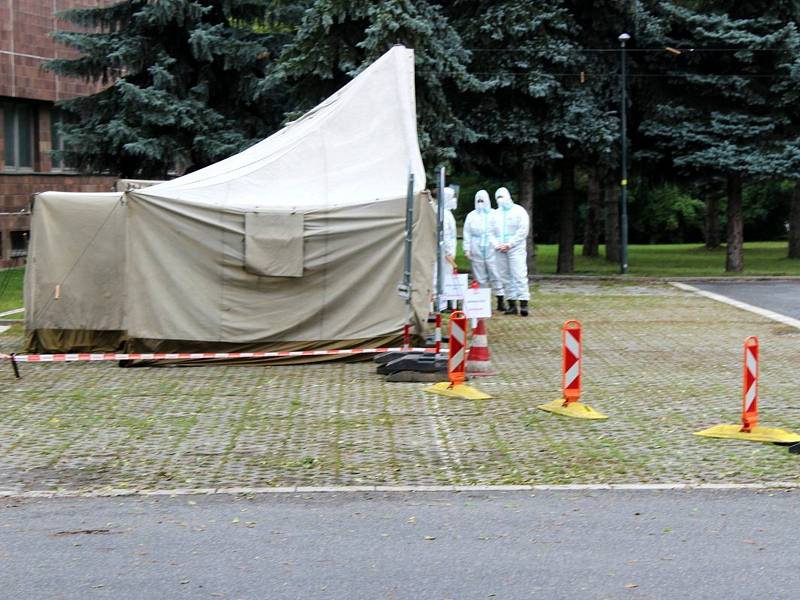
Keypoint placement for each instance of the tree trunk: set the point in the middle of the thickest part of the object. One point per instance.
(734, 259)
(712, 222)
(612, 222)
(526, 201)
(794, 223)
(566, 233)
(591, 233)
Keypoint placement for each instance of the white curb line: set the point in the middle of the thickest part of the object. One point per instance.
(578, 487)
(8, 313)
(742, 305)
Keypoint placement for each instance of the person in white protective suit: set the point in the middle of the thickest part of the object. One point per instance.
(511, 226)
(479, 246)
(449, 233)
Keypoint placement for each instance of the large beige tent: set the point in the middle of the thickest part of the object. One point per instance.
(295, 243)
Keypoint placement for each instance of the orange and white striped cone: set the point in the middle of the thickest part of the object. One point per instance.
(571, 355)
(406, 337)
(457, 360)
(750, 387)
(749, 429)
(571, 360)
(457, 363)
(479, 362)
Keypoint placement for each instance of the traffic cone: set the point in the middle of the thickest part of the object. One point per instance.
(749, 429)
(456, 364)
(479, 361)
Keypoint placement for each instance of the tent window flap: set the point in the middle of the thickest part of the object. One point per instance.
(273, 244)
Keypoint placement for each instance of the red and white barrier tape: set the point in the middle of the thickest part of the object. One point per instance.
(111, 356)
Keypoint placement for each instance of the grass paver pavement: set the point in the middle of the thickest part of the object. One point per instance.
(661, 362)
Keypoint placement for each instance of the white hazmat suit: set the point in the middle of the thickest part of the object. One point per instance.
(511, 226)
(480, 243)
(449, 234)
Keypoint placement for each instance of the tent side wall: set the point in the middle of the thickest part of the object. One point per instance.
(74, 281)
(186, 264)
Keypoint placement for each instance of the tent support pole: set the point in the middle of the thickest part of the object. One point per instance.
(407, 259)
(440, 245)
(415, 366)
(14, 366)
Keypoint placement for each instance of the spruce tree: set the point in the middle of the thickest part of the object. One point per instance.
(337, 39)
(718, 108)
(552, 99)
(181, 82)
(518, 53)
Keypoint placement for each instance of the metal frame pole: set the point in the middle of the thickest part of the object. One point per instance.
(623, 212)
(14, 365)
(407, 257)
(440, 246)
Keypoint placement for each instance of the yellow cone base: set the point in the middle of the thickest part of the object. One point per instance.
(467, 392)
(576, 410)
(757, 434)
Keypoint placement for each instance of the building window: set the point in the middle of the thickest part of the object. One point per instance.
(57, 119)
(18, 136)
(19, 244)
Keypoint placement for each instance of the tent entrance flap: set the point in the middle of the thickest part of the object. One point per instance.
(273, 244)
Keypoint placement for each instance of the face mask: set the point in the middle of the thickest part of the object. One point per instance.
(504, 203)
(482, 204)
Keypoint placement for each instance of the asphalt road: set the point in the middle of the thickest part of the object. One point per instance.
(778, 296)
(550, 545)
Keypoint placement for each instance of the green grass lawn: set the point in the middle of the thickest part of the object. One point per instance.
(11, 289)
(672, 260)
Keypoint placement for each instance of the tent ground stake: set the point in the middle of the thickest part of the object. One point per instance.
(15, 367)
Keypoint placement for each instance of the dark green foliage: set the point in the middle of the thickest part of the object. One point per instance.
(665, 213)
(721, 105)
(724, 108)
(182, 80)
(520, 50)
(535, 108)
(766, 209)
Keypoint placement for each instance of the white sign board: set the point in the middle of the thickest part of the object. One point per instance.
(478, 303)
(455, 285)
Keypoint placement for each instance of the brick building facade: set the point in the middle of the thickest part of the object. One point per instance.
(28, 116)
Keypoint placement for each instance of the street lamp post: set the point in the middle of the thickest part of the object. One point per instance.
(623, 210)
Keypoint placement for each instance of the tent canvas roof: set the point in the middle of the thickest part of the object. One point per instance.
(357, 146)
